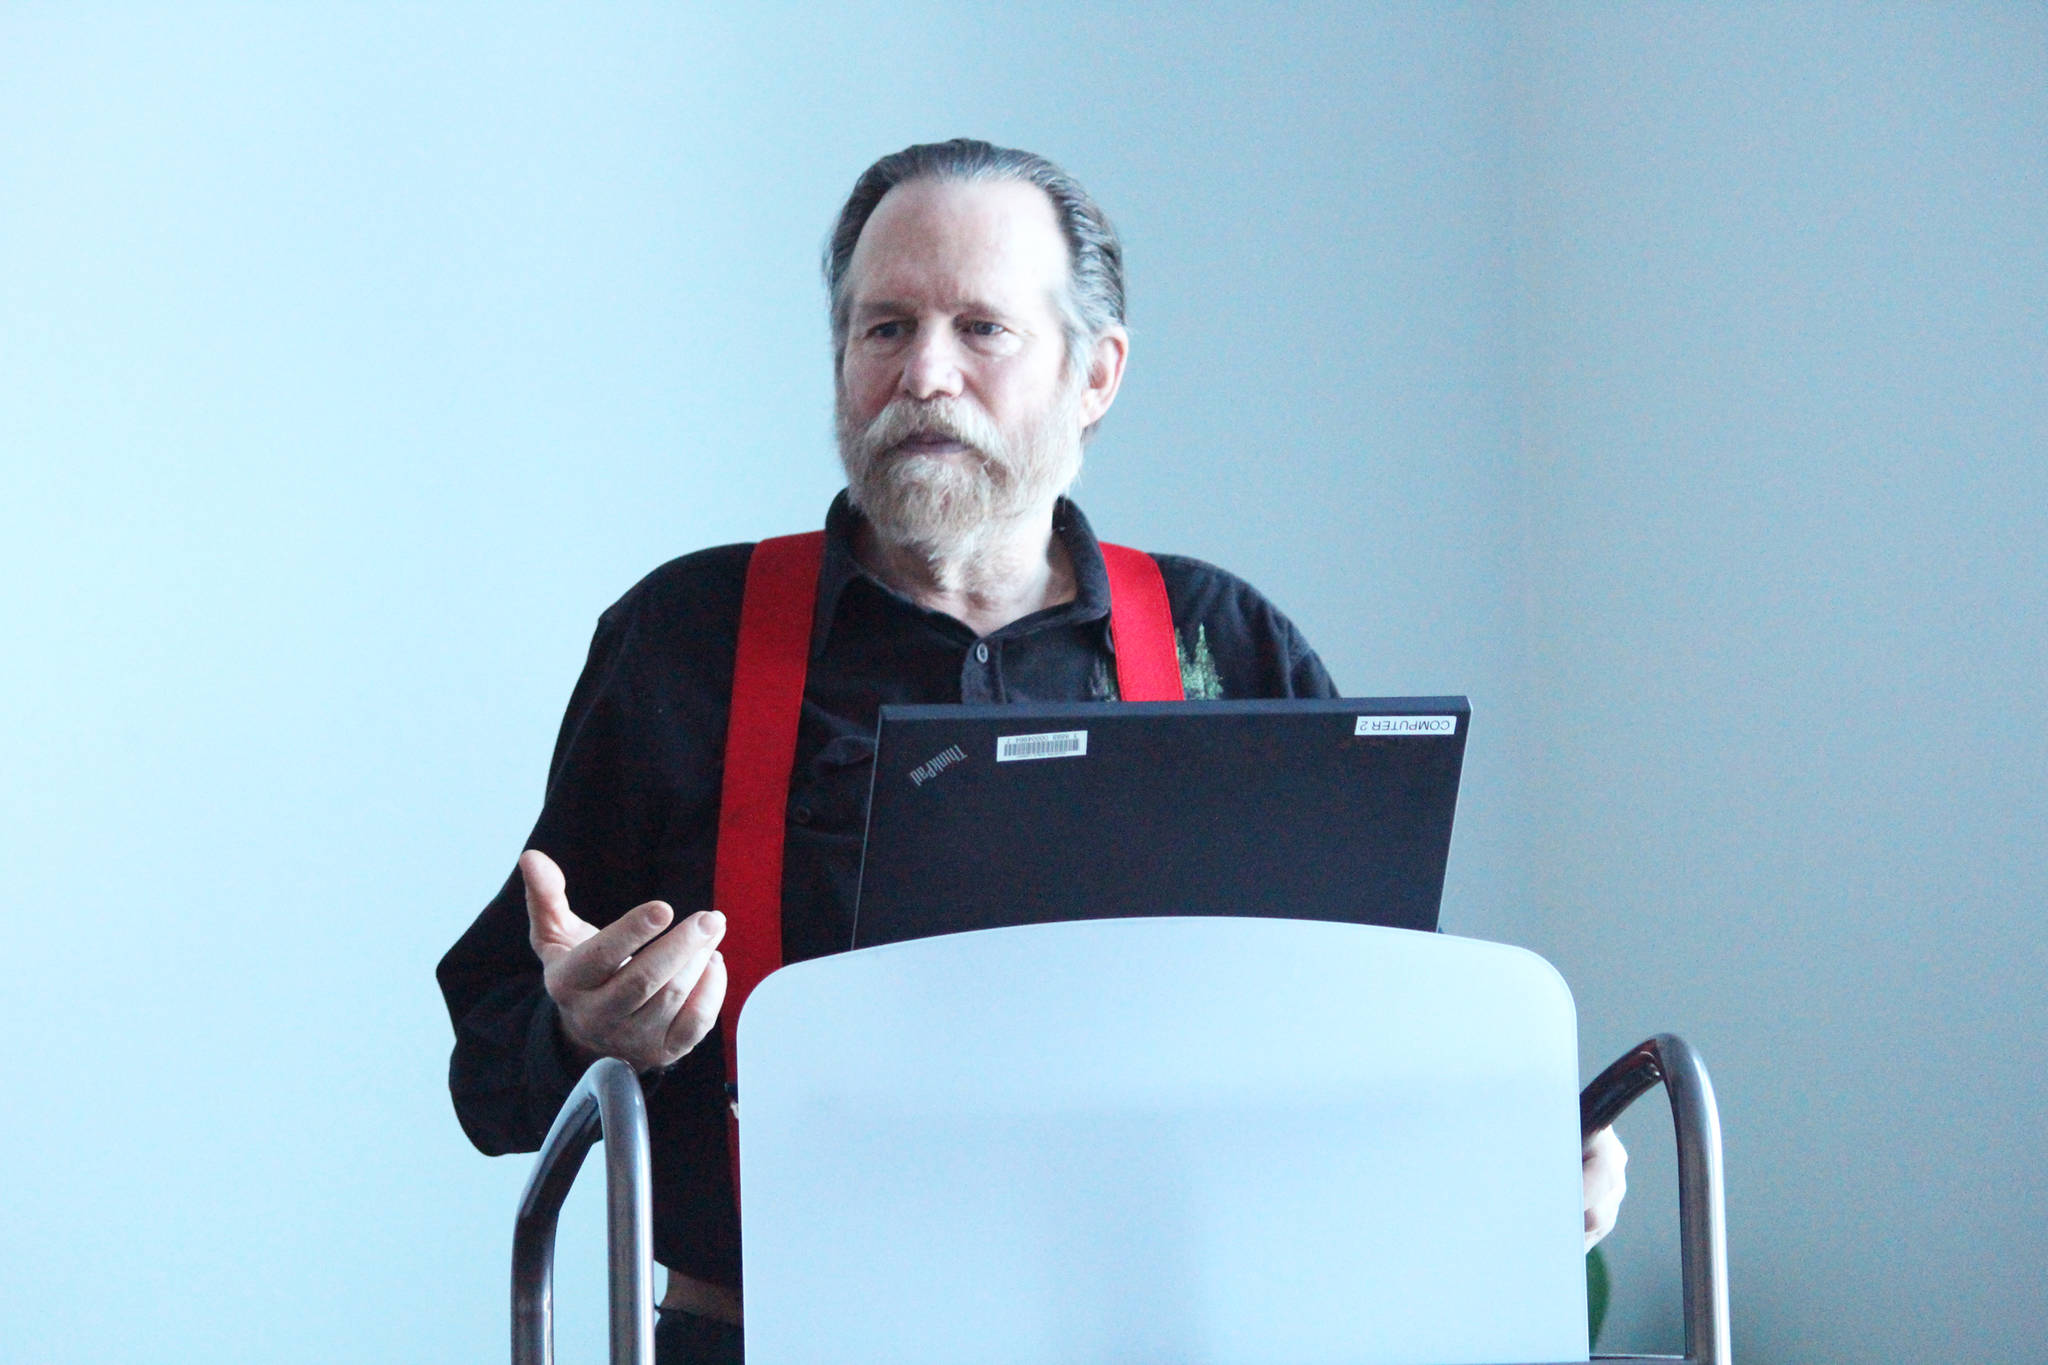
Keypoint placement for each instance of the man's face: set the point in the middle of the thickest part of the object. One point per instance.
(955, 406)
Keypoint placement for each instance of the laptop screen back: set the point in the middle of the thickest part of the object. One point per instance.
(987, 816)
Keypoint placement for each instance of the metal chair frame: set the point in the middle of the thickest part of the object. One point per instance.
(607, 1104)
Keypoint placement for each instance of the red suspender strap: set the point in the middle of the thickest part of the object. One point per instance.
(760, 751)
(760, 738)
(1141, 626)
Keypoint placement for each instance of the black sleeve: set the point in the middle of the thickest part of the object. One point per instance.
(1234, 642)
(1306, 675)
(510, 1070)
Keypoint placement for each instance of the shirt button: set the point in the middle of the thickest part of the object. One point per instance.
(981, 654)
(801, 814)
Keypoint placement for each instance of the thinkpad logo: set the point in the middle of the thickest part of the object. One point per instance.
(936, 764)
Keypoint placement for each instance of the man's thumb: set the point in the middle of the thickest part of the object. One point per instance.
(551, 923)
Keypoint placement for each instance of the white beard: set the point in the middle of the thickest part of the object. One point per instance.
(944, 507)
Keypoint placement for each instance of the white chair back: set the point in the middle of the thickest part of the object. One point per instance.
(1209, 1140)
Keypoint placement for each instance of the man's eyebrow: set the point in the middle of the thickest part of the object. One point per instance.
(871, 307)
(894, 307)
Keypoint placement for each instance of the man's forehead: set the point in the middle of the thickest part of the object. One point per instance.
(958, 242)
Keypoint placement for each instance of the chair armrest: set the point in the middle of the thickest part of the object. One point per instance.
(1702, 1233)
(607, 1104)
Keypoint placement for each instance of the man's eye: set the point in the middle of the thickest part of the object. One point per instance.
(986, 329)
(887, 331)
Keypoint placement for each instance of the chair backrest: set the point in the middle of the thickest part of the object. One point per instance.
(1192, 1140)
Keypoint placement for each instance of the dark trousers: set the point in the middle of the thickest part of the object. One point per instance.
(686, 1339)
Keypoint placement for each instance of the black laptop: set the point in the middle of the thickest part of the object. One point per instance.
(987, 816)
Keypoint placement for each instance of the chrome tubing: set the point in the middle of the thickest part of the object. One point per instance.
(1702, 1215)
(606, 1104)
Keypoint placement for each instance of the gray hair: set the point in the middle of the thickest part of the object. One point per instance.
(1094, 297)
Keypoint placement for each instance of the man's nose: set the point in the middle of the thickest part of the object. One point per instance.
(932, 367)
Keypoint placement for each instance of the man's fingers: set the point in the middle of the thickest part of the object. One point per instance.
(674, 958)
(680, 1012)
(1604, 1166)
(552, 927)
(700, 1008)
(595, 960)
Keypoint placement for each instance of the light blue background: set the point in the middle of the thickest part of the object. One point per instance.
(1670, 379)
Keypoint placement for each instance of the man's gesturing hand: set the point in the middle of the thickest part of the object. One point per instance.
(622, 991)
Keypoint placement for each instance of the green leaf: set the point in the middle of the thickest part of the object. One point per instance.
(1596, 1296)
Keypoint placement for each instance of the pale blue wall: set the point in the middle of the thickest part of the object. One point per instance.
(1634, 373)
(1786, 349)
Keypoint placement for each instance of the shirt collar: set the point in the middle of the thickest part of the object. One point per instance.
(1091, 578)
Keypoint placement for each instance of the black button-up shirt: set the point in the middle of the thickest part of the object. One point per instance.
(631, 812)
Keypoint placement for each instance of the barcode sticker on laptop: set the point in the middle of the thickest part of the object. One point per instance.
(1406, 725)
(1060, 744)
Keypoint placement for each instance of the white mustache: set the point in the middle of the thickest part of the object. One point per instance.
(905, 419)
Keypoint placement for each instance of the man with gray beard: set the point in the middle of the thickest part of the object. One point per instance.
(977, 306)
